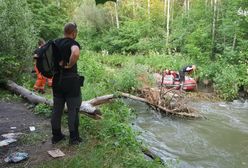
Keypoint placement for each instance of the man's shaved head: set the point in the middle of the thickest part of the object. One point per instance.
(70, 28)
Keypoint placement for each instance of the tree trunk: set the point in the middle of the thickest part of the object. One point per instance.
(112, 18)
(116, 15)
(85, 108)
(168, 24)
(214, 28)
(148, 8)
(134, 8)
(185, 6)
(234, 41)
(172, 10)
(58, 3)
(25, 93)
(188, 5)
(88, 107)
(165, 10)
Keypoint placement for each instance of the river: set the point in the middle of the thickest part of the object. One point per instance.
(220, 141)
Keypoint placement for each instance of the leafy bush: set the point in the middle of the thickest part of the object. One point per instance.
(159, 62)
(49, 18)
(115, 61)
(132, 37)
(127, 78)
(43, 109)
(17, 37)
(91, 67)
(7, 96)
(226, 85)
(10, 66)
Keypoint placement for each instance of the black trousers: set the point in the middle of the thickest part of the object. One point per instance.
(181, 76)
(66, 90)
(73, 106)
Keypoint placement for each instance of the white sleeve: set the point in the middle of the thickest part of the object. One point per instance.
(189, 69)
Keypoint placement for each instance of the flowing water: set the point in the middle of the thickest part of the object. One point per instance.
(220, 141)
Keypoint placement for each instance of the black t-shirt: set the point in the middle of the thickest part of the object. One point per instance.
(67, 84)
(64, 45)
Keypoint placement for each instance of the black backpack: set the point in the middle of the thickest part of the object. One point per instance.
(47, 59)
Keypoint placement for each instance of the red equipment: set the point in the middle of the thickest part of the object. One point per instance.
(170, 79)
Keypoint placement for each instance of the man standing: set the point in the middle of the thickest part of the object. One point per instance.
(66, 86)
(183, 71)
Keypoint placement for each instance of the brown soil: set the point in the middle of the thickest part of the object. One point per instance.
(17, 115)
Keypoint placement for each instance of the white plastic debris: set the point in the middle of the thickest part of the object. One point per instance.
(11, 135)
(7, 142)
(3, 143)
(32, 128)
(16, 157)
(56, 153)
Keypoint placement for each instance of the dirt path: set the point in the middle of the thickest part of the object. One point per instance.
(36, 143)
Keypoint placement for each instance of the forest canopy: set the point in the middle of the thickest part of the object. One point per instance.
(211, 33)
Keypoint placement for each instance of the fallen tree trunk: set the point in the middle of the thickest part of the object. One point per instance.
(25, 93)
(88, 107)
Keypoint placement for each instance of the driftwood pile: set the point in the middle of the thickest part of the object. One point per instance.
(169, 101)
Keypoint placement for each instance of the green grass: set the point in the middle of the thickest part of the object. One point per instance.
(33, 138)
(7, 96)
(109, 142)
(43, 109)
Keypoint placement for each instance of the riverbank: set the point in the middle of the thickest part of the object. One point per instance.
(109, 142)
(106, 142)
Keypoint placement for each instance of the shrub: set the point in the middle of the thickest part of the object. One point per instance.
(226, 83)
(43, 109)
(17, 37)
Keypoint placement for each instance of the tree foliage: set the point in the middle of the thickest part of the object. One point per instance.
(205, 32)
(209, 34)
(49, 18)
(17, 37)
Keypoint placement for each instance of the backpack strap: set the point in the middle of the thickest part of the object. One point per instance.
(60, 68)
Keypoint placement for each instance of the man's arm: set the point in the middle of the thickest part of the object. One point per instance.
(75, 52)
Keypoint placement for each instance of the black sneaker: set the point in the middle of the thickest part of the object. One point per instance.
(56, 139)
(75, 141)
